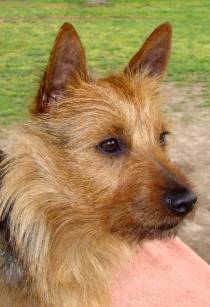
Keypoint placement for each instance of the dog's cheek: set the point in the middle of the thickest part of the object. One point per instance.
(100, 180)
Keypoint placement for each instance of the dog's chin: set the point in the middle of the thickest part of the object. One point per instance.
(161, 231)
(136, 233)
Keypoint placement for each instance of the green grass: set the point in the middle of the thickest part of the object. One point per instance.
(111, 34)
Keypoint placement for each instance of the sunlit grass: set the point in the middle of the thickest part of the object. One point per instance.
(111, 34)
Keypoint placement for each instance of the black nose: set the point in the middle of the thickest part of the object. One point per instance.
(181, 202)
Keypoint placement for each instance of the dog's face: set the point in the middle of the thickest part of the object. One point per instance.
(114, 138)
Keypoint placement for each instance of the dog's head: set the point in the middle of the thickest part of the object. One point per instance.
(89, 168)
(113, 138)
(94, 157)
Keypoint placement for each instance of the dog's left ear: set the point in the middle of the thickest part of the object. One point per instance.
(67, 61)
(154, 54)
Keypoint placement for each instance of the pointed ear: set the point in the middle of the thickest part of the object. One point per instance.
(154, 54)
(67, 60)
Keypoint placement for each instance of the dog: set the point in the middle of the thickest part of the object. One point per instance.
(87, 178)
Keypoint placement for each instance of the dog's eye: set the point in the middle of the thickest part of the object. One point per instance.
(110, 146)
(163, 138)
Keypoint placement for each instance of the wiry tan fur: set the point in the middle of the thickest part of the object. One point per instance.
(71, 210)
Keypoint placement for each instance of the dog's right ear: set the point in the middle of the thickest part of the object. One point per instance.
(66, 61)
(153, 56)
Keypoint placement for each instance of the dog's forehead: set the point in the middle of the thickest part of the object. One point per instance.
(116, 105)
(140, 92)
(128, 98)
(118, 93)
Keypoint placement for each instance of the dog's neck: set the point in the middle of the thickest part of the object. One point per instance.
(80, 260)
(11, 271)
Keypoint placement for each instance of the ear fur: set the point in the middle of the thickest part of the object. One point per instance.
(67, 60)
(154, 54)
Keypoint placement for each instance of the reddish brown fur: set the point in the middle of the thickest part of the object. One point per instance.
(72, 209)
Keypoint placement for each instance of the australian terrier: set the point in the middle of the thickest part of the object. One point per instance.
(86, 178)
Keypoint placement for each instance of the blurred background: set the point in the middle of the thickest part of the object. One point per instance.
(111, 32)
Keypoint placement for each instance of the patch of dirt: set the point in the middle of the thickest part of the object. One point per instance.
(191, 150)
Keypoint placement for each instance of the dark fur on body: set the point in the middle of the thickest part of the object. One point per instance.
(67, 209)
